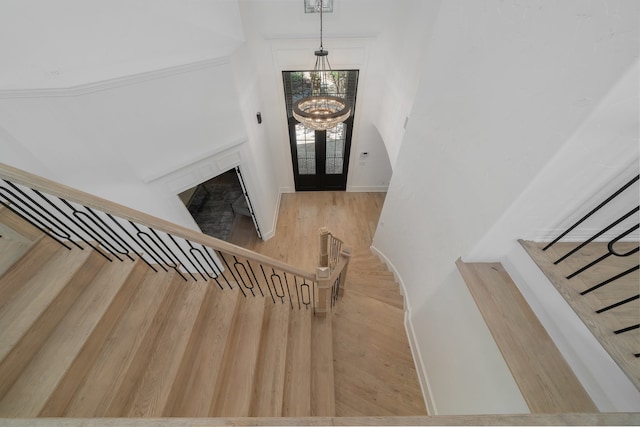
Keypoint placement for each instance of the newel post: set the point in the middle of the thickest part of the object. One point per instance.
(324, 247)
(345, 253)
(323, 304)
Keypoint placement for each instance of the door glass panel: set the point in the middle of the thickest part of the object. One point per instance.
(306, 148)
(335, 150)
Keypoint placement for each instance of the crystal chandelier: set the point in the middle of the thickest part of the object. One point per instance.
(321, 111)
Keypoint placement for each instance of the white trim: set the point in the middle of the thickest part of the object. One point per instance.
(367, 188)
(286, 189)
(113, 82)
(154, 176)
(413, 342)
(269, 234)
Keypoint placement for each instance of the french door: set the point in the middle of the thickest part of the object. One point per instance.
(320, 158)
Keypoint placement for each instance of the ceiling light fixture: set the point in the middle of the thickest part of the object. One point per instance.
(321, 110)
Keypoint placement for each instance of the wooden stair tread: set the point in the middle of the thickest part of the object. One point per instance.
(235, 385)
(86, 358)
(39, 379)
(323, 399)
(12, 226)
(296, 401)
(546, 381)
(162, 359)
(100, 387)
(15, 278)
(194, 389)
(270, 372)
(27, 320)
(389, 297)
(11, 251)
(374, 369)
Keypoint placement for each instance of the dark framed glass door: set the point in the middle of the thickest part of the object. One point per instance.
(320, 158)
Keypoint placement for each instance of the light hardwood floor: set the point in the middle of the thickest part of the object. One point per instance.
(374, 369)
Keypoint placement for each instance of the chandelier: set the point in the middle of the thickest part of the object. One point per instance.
(321, 111)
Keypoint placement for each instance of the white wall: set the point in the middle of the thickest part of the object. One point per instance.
(600, 157)
(64, 43)
(113, 140)
(504, 85)
(397, 62)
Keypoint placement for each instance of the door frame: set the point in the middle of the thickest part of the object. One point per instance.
(320, 181)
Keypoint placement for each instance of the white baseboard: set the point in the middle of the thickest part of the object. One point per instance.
(367, 188)
(411, 335)
(286, 189)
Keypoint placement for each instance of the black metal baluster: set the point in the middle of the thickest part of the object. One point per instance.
(60, 229)
(267, 282)
(115, 236)
(609, 227)
(184, 254)
(594, 210)
(304, 286)
(627, 329)
(73, 220)
(254, 277)
(274, 275)
(45, 231)
(36, 218)
(175, 260)
(217, 270)
(610, 252)
(618, 304)
(224, 260)
(284, 273)
(295, 285)
(606, 282)
(89, 230)
(133, 238)
(240, 269)
(221, 269)
(150, 251)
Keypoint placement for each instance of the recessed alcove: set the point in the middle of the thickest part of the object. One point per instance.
(217, 205)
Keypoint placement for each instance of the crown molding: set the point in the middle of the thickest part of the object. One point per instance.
(111, 83)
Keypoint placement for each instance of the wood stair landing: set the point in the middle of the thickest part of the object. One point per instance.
(84, 337)
(544, 378)
(375, 373)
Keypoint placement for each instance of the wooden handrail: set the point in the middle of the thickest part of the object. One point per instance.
(53, 188)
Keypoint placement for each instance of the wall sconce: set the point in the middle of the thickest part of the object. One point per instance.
(259, 117)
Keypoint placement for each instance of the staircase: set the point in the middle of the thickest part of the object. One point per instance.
(84, 337)
(375, 373)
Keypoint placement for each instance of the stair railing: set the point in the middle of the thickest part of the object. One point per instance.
(77, 219)
(331, 274)
(631, 213)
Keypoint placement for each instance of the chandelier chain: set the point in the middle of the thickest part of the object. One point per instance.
(321, 7)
